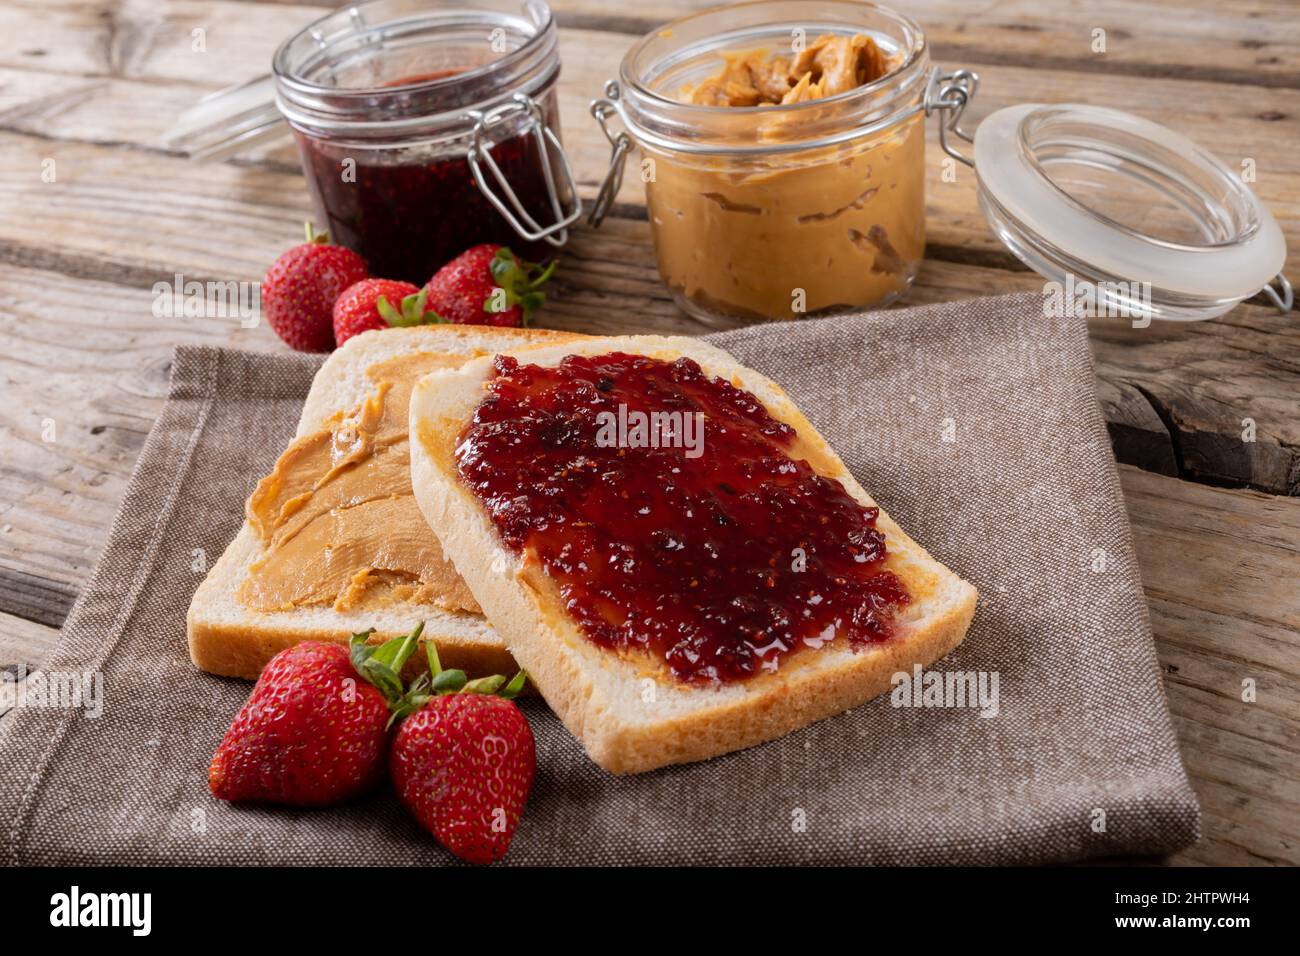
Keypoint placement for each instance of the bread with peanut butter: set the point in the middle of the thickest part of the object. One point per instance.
(669, 547)
(333, 542)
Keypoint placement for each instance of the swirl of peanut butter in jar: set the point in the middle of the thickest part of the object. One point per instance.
(797, 231)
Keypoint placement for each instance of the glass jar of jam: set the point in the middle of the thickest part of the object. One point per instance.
(783, 152)
(427, 127)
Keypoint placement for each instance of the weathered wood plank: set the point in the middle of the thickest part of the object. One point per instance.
(1241, 825)
(115, 37)
(1247, 515)
(1227, 392)
(87, 381)
(153, 47)
(1255, 42)
(24, 644)
(1137, 433)
(1219, 568)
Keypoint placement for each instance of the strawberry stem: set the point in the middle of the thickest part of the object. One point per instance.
(435, 665)
(546, 274)
(381, 665)
(521, 281)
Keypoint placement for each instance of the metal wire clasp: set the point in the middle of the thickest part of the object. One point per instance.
(619, 145)
(952, 92)
(1282, 300)
(565, 205)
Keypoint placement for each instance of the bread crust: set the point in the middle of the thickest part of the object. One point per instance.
(232, 641)
(227, 639)
(629, 718)
(232, 650)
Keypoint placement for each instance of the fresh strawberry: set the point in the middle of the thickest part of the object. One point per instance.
(488, 285)
(299, 290)
(463, 761)
(369, 304)
(315, 730)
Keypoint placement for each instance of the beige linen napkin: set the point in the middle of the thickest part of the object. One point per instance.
(974, 424)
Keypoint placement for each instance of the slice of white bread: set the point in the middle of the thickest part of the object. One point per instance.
(628, 712)
(228, 638)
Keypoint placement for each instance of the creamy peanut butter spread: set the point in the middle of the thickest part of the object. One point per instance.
(801, 231)
(337, 518)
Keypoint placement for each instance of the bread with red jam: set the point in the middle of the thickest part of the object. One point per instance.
(679, 586)
(229, 637)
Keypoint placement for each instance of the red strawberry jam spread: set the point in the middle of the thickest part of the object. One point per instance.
(719, 559)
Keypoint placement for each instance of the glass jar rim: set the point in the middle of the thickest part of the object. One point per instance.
(1240, 205)
(915, 50)
(407, 107)
(660, 120)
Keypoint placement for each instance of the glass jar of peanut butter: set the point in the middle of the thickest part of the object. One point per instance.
(782, 150)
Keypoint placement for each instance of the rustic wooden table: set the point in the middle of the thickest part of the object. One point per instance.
(94, 210)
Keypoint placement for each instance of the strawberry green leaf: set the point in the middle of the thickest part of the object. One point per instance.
(358, 648)
(395, 652)
(520, 281)
(511, 690)
(383, 677)
(387, 312)
(420, 686)
(448, 682)
(382, 665)
(484, 685)
(407, 706)
(504, 267)
(412, 312)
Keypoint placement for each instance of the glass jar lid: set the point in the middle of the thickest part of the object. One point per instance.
(1155, 224)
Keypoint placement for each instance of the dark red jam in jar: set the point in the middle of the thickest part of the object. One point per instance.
(408, 219)
(396, 103)
(699, 539)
